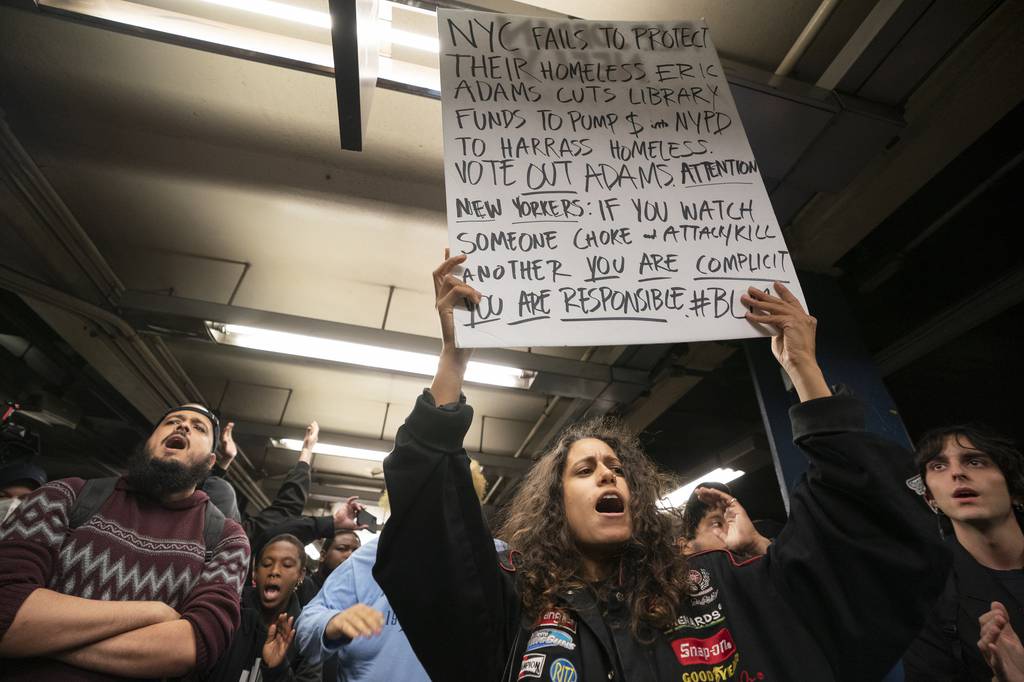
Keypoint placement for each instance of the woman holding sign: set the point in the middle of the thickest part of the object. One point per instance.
(593, 587)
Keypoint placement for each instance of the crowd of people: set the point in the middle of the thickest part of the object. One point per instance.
(886, 556)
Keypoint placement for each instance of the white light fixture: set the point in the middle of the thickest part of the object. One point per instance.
(413, 40)
(678, 497)
(361, 354)
(312, 552)
(278, 10)
(331, 450)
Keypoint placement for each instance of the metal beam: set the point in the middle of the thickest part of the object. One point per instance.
(245, 429)
(868, 30)
(556, 376)
(952, 322)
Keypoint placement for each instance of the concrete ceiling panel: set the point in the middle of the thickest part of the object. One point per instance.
(842, 150)
(212, 388)
(397, 413)
(336, 412)
(779, 129)
(181, 274)
(504, 436)
(254, 402)
(413, 312)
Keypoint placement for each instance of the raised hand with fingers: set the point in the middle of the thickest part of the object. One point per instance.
(1000, 646)
(345, 518)
(280, 635)
(228, 450)
(740, 535)
(450, 291)
(356, 621)
(794, 343)
(309, 441)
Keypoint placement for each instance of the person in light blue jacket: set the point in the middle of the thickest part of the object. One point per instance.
(341, 607)
(349, 625)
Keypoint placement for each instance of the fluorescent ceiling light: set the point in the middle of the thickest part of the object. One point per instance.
(332, 450)
(414, 40)
(678, 497)
(278, 10)
(361, 354)
(312, 552)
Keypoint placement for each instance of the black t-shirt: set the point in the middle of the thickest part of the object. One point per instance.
(1013, 582)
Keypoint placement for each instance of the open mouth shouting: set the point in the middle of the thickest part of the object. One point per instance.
(176, 442)
(271, 592)
(610, 504)
(965, 495)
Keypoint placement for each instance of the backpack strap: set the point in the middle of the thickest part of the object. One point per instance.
(89, 500)
(96, 491)
(213, 528)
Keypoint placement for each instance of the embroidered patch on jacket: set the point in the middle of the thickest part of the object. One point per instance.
(533, 666)
(549, 637)
(704, 651)
(556, 618)
(699, 587)
(562, 670)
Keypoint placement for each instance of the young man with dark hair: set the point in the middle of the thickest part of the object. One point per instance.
(711, 523)
(138, 576)
(974, 480)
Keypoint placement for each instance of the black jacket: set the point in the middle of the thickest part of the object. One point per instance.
(839, 596)
(243, 658)
(947, 649)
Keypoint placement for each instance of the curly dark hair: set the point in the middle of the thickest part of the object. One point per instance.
(1003, 451)
(549, 560)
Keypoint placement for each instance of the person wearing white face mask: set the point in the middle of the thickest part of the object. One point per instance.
(17, 481)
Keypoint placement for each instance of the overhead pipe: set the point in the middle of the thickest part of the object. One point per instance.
(805, 38)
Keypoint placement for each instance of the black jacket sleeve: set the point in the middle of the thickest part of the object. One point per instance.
(436, 560)
(305, 528)
(860, 560)
(288, 503)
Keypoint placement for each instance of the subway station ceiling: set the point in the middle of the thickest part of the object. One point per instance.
(151, 186)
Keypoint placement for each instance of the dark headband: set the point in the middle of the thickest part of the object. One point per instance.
(199, 410)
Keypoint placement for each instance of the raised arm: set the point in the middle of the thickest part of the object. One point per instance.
(436, 559)
(449, 290)
(859, 559)
(794, 342)
(291, 497)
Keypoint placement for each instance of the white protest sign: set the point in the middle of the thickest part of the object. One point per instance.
(600, 182)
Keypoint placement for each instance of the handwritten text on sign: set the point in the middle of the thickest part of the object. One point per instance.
(599, 179)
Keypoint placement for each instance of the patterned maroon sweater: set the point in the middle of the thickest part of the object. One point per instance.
(132, 549)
